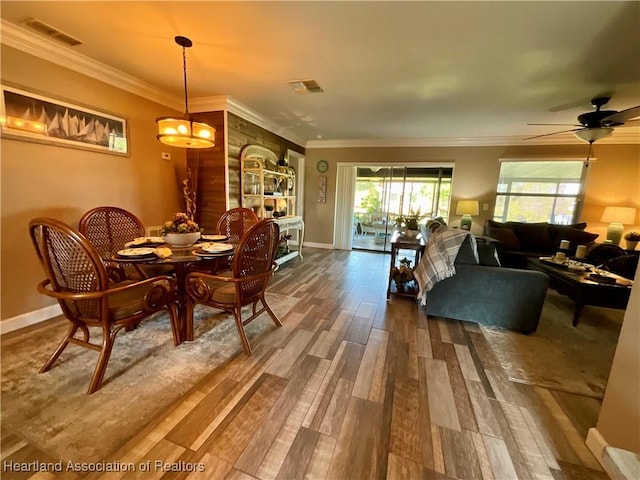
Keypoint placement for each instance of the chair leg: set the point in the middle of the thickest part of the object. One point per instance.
(98, 374)
(188, 328)
(273, 316)
(175, 325)
(237, 313)
(73, 328)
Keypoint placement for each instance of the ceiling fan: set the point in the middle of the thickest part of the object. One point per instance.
(598, 124)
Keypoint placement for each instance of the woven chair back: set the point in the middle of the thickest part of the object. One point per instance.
(235, 223)
(71, 264)
(256, 254)
(109, 229)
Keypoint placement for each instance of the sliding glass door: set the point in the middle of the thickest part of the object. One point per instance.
(384, 192)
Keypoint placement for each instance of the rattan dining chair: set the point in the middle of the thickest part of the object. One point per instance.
(109, 229)
(235, 222)
(252, 266)
(77, 279)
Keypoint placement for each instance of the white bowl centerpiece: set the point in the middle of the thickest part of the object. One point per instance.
(181, 231)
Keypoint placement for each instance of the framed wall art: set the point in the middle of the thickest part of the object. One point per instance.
(32, 117)
(322, 189)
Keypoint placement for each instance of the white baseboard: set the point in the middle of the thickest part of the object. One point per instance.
(30, 318)
(619, 464)
(326, 246)
(596, 443)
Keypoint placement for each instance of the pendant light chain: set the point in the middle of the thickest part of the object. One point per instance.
(185, 132)
(184, 70)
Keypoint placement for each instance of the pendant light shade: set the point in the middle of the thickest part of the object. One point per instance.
(183, 131)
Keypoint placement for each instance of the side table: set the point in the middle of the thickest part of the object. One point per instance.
(399, 242)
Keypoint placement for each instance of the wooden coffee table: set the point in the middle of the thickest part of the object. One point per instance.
(581, 289)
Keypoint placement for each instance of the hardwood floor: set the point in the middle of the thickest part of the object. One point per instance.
(356, 387)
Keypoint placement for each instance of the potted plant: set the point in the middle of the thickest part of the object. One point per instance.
(402, 274)
(181, 231)
(409, 223)
(632, 239)
(269, 210)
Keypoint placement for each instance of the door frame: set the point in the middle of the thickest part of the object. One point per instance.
(345, 188)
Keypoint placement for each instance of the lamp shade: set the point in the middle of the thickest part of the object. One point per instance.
(185, 133)
(624, 215)
(467, 207)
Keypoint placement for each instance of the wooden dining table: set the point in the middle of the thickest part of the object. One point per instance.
(183, 260)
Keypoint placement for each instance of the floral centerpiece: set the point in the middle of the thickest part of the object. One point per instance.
(181, 231)
(402, 274)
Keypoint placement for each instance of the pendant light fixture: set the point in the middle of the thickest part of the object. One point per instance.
(184, 132)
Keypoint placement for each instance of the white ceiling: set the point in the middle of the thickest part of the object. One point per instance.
(454, 71)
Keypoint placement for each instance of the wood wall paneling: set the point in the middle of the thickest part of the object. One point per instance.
(213, 188)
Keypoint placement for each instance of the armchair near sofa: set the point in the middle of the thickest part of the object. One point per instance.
(481, 291)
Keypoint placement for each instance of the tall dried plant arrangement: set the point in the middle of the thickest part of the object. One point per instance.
(188, 188)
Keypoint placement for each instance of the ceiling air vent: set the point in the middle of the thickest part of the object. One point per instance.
(51, 32)
(305, 86)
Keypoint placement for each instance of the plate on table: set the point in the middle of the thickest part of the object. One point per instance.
(136, 253)
(202, 253)
(145, 242)
(214, 238)
(217, 247)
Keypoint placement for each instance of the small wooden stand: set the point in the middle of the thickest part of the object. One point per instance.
(398, 242)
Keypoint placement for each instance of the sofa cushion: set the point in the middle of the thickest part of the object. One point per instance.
(574, 236)
(467, 254)
(507, 238)
(598, 253)
(555, 230)
(534, 236)
(488, 255)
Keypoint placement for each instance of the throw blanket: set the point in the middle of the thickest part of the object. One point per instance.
(437, 261)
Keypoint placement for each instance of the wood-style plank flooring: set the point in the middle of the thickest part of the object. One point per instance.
(358, 387)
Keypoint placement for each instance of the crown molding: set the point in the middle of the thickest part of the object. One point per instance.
(49, 50)
(224, 102)
(563, 139)
(39, 46)
(252, 116)
(209, 104)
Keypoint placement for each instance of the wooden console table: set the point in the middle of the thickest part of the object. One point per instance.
(399, 242)
(291, 223)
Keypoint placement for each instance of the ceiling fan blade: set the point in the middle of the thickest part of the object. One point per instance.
(554, 133)
(621, 116)
(557, 124)
(630, 123)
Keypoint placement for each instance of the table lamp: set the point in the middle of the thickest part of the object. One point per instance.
(616, 217)
(467, 208)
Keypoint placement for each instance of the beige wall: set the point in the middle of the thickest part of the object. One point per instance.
(619, 421)
(42, 180)
(614, 178)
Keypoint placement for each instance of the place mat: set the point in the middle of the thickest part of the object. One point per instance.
(203, 253)
(141, 258)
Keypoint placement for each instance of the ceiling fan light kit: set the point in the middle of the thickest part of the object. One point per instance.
(590, 135)
(184, 132)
